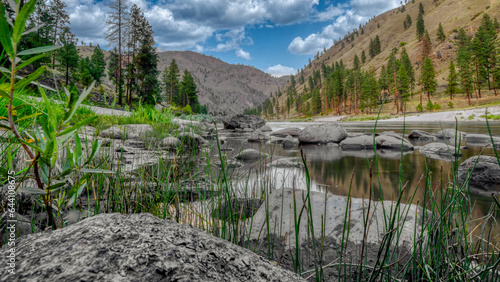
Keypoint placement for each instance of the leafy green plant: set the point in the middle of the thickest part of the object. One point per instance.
(429, 106)
(450, 105)
(437, 106)
(420, 108)
(43, 148)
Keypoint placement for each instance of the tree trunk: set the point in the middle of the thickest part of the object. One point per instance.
(396, 92)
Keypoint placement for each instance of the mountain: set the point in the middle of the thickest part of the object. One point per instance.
(389, 27)
(223, 87)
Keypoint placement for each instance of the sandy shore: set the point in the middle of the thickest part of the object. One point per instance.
(460, 115)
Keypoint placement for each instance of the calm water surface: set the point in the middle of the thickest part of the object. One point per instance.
(336, 171)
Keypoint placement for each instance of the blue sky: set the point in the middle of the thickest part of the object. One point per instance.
(276, 36)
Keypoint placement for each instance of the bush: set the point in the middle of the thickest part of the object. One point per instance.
(437, 106)
(429, 106)
(420, 108)
(450, 104)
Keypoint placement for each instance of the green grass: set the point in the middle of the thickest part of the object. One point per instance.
(367, 118)
(491, 116)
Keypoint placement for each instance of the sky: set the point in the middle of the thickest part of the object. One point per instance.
(276, 36)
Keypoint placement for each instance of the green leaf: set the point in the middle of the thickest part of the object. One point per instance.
(28, 79)
(28, 117)
(77, 189)
(82, 97)
(96, 170)
(3, 126)
(31, 60)
(55, 186)
(96, 146)
(78, 150)
(77, 125)
(32, 190)
(21, 19)
(5, 39)
(39, 50)
(4, 94)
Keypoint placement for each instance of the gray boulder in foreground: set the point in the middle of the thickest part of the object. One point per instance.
(450, 133)
(439, 151)
(244, 121)
(135, 247)
(114, 132)
(485, 177)
(139, 129)
(294, 132)
(421, 135)
(392, 143)
(323, 133)
(289, 142)
(360, 142)
(266, 128)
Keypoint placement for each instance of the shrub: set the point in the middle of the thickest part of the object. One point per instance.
(429, 106)
(437, 106)
(450, 104)
(420, 108)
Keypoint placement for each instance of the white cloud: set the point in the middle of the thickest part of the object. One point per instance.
(279, 70)
(356, 12)
(240, 53)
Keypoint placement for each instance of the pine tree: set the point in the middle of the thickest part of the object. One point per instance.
(60, 23)
(428, 78)
(188, 92)
(440, 33)
(356, 62)
(407, 22)
(98, 64)
(426, 46)
(67, 56)
(451, 89)
(146, 63)
(464, 59)
(403, 87)
(113, 68)
(84, 71)
(171, 81)
(406, 63)
(363, 57)
(420, 26)
(117, 20)
(421, 9)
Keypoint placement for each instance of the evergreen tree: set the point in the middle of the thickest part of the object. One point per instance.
(406, 63)
(420, 26)
(60, 20)
(146, 63)
(440, 33)
(316, 102)
(407, 22)
(171, 81)
(67, 56)
(356, 62)
(84, 71)
(451, 89)
(113, 68)
(464, 59)
(403, 87)
(116, 22)
(421, 10)
(363, 57)
(188, 92)
(428, 78)
(426, 46)
(98, 64)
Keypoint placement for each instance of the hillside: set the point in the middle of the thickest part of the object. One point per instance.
(452, 14)
(222, 87)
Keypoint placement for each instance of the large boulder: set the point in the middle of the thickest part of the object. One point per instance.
(331, 217)
(244, 121)
(421, 135)
(266, 128)
(449, 133)
(170, 142)
(258, 136)
(484, 175)
(294, 132)
(135, 247)
(138, 129)
(481, 139)
(323, 133)
(361, 142)
(439, 151)
(114, 132)
(289, 142)
(251, 155)
(392, 143)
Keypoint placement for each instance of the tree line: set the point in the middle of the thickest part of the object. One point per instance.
(133, 61)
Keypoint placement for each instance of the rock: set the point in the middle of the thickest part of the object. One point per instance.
(287, 163)
(392, 143)
(185, 122)
(276, 140)
(135, 247)
(439, 151)
(354, 134)
(289, 142)
(248, 130)
(258, 136)
(250, 155)
(281, 199)
(294, 132)
(113, 132)
(323, 133)
(25, 197)
(231, 164)
(421, 135)
(357, 143)
(365, 154)
(480, 139)
(88, 130)
(266, 128)
(191, 139)
(485, 177)
(244, 121)
(139, 129)
(450, 134)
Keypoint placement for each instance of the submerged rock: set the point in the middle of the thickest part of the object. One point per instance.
(251, 155)
(484, 175)
(323, 133)
(450, 134)
(439, 151)
(135, 247)
(287, 163)
(289, 142)
(244, 121)
(258, 136)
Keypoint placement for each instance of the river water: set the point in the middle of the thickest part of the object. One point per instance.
(336, 171)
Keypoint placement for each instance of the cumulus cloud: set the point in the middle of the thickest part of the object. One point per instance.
(279, 70)
(240, 53)
(349, 16)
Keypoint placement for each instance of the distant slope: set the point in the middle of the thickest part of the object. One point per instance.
(222, 87)
(452, 14)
